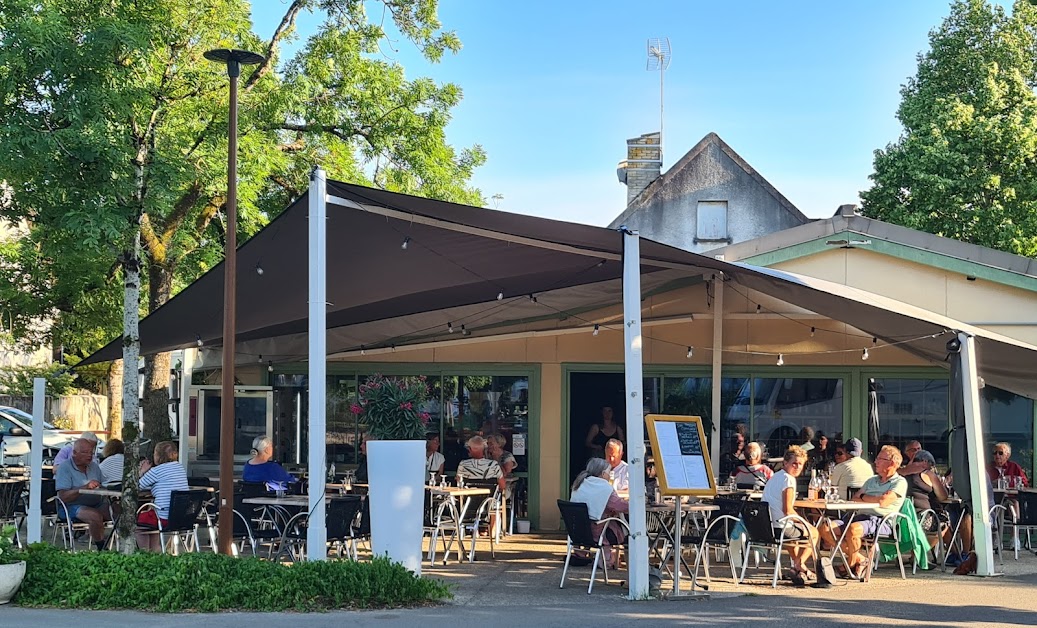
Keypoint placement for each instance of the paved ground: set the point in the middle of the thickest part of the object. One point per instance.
(520, 588)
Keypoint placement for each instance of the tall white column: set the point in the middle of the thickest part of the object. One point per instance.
(638, 584)
(976, 453)
(39, 398)
(317, 532)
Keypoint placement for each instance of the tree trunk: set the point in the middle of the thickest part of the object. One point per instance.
(114, 426)
(156, 367)
(130, 394)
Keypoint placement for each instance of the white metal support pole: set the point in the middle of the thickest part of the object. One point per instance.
(638, 559)
(718, 360)
(317, 532)
(39, 398)
(184, 428)
(976, 453)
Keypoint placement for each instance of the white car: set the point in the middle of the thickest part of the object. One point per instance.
(16, 432)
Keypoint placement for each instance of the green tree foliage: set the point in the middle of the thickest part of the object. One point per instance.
(965, 166)
(110, 117)
(18, 380)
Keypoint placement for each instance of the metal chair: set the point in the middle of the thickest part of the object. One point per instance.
(440, 518)
(11, 511)
(581, 536)
(760, 533)
(717, 535)
(181, 527)
(870, 543)
(249, 527)
(482, 511)
(72, 528)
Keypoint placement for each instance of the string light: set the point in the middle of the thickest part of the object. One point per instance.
(270, 367)
(781, 359)
(198, 341)
(596, 328)
(464, 332)
(406, 243)
(500, 295)
(450, 328)
(259, 269)
(758, 308)
(533, 298)
(812, 331)
(864, 356)
(362, 351)
(260, 360)
(691, 352)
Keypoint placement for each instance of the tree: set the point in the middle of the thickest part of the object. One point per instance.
(113, 145)
(111, 119)
(965, 166)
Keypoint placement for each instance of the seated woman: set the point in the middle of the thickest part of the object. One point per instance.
(161, 478)
(752, 472)
(434, 461)
(592, 488)
(111, 465)
(780, 495)
(260, 468)
(927, 492)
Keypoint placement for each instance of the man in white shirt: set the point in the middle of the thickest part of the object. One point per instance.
(620, 471)
(851, 470)
(479, 467)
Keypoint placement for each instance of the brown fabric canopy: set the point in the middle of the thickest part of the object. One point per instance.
(456, 263)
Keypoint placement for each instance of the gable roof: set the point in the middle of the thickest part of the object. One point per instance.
(887, 238)
(687, 162)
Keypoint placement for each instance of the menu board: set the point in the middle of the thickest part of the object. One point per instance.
(681, 455)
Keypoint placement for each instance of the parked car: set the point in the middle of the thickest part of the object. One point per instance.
(16, 434)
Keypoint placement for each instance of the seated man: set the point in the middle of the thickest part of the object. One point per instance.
(851, 470)
(81, 472)
(65, 453)
(479, 467)
(620, 473)
(887, 490)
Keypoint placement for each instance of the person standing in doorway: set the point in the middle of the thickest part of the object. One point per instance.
(600, 433)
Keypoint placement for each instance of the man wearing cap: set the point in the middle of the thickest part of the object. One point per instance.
(66, 452)
(851, 470)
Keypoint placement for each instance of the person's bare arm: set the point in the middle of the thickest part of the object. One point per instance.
(72, 494)
(788, 498)
(592, 433)
(884, 500)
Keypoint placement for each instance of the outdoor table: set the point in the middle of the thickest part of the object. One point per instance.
(832, 506)
(752, 494)
(661, 513)
(452, 495)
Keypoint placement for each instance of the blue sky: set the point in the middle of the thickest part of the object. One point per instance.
(804, 91)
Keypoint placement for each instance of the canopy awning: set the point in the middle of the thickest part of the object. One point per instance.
(401, 269)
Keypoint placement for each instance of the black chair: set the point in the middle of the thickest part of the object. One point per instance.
(185, 508)
(199, 481)
(760, 533)
(342, 515)
(249, 526)
(581, 536)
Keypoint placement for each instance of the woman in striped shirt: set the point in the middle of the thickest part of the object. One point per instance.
(162, 478)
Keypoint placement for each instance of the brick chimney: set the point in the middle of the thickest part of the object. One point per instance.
(643, 164)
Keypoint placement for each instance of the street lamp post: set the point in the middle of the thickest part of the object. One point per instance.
(233, 59)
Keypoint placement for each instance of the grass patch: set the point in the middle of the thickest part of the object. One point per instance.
(211, 582)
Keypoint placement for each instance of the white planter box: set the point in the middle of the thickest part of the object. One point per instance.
(396, 474)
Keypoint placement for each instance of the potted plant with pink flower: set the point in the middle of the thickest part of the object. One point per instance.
(391, 407)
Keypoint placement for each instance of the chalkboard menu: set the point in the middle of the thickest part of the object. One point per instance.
(681, 455)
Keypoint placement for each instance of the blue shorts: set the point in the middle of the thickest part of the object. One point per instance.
(870, 524)
(73, 510)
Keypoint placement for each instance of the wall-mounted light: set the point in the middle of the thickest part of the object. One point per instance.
(405, 243)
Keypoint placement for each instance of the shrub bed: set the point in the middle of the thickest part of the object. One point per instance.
(210, 582)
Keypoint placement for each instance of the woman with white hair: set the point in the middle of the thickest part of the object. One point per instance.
(260, 468)
(592, 488)
(752, 472)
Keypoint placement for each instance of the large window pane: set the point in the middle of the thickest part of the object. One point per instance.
(775, 410)
(913, 409)
(1008, 417)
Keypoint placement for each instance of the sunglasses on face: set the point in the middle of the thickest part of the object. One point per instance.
(1000, 453)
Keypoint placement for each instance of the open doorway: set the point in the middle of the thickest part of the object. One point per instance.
(589, 393)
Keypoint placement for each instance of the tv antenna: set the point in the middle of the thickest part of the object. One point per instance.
(659, 59)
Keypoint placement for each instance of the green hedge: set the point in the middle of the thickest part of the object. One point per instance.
(210, 582)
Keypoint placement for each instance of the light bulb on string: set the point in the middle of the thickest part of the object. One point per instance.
(198, 341)
(450, 328)
(596, 329)
(259, 269)
(500, 295)
(362, 350)
(270, 366)
(781, 360)
(464, 332)
(405, 243)
(260, 360)
(533, 298)
(812, 331)
(691, 352)
(758, 308)
(864, 355)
